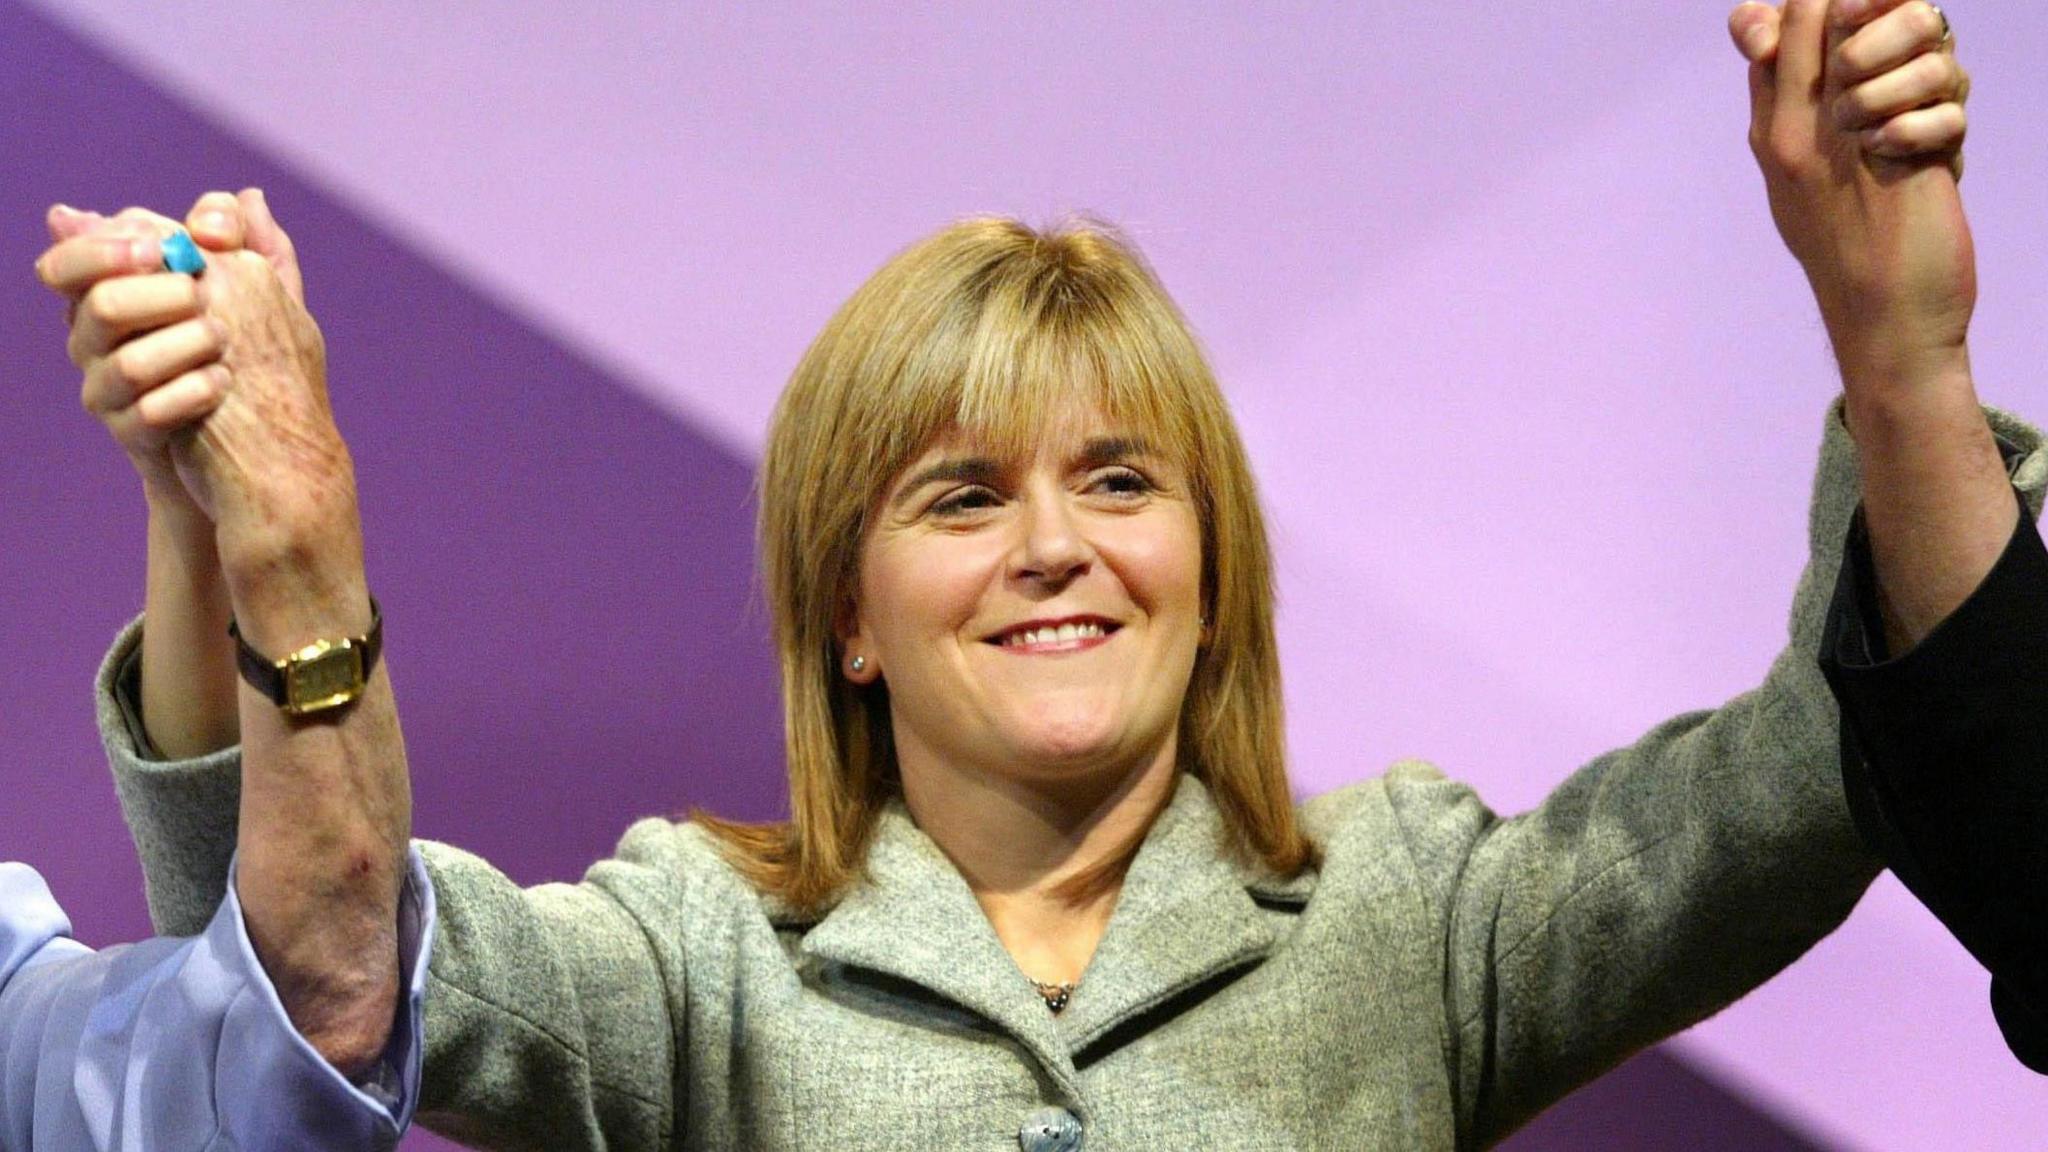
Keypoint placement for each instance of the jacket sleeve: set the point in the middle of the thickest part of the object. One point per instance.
(556, 1015)
(182, 814)
(548, 1021)
(1658, 883)
(1943, 758)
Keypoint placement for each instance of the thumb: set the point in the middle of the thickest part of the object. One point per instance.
(1755, 26)
(268, 239)
(215, 221)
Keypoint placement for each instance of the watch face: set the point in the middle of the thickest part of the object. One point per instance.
(328, 680)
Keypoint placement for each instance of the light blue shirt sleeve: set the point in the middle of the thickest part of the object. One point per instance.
(177, 1044)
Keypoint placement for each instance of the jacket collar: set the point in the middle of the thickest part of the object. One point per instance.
(1186, 915)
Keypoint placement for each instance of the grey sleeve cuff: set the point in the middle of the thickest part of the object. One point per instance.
(181, 813)
(127, 692)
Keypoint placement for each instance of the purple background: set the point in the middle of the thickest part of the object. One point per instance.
(1532, 389)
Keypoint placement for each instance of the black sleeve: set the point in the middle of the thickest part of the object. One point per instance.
(1943, 753)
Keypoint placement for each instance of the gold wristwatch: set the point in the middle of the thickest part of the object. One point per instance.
(322, 676)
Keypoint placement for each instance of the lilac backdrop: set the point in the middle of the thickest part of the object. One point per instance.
(1532, 390)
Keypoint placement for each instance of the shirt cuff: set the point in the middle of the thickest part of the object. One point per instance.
(33, 928)
(305, 1093)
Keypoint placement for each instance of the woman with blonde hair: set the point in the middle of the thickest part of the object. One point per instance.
(1044, 883)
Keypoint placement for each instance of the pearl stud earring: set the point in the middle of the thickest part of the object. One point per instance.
(860, 663)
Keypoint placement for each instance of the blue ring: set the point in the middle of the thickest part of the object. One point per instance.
(182, 255)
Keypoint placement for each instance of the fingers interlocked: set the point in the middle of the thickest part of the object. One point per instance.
(150, 372)
(1885, 69)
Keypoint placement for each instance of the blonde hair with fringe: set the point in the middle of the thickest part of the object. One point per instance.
(994, 329)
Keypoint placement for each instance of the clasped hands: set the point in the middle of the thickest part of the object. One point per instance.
(1857, 122)
(214, 385)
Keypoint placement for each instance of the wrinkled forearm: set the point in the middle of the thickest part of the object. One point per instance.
(325, 819)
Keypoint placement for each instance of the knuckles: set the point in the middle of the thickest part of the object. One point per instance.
(1939, 72)
(217, 202)
(1859, 58)
(1789, 154)
(1927, 76)
(89, 397)
(125, 367)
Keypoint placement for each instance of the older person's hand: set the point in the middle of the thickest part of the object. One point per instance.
(266, 461)
(1858, 124)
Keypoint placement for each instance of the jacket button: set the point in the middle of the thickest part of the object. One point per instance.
(1050, 1130)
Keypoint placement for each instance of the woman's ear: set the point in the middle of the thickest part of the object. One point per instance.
(857, 661)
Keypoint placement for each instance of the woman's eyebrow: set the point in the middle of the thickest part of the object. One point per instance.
(1110, 449)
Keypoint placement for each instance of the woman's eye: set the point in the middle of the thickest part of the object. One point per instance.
(963, 501)
(1121, 482)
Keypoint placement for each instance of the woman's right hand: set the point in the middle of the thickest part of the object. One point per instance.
(138, 335)
(149, 356)
(188, 689)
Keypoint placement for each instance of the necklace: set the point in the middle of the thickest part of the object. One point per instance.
(1055, 995)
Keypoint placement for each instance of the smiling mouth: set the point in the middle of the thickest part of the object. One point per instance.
(1072, 635)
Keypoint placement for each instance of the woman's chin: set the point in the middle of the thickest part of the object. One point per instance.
(1073, 750)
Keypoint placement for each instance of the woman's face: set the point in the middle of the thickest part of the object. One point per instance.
(1033, 618)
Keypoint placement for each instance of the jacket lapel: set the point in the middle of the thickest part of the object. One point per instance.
(915, 919)
(1185, 916)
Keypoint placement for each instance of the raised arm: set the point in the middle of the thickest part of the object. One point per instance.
(1858, 124)
(234, 400)
(136, 330)
(551, 1019)
(1942, 735)
(1667, 878)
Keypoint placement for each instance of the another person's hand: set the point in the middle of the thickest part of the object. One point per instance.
(266, 461)
(1858, 124)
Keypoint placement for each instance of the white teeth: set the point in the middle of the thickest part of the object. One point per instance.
(1063, 634)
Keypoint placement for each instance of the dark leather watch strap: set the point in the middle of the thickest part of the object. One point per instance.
(266, 677)
(261, 674)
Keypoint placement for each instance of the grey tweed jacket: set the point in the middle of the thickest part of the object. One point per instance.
(1446, 974)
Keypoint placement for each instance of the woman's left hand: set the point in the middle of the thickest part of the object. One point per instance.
(1857, 122)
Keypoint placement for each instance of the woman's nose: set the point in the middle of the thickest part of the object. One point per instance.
(1052, 549)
